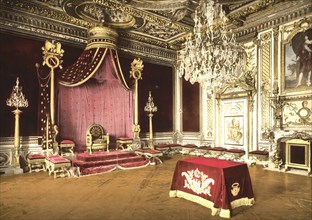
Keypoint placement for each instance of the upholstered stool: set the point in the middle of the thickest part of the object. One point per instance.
(67, 148)
(164, 148)
(203, 150)
(216, 152)
(151, 154)
(188, 148)
(168, 148)
(36, 162)
(259, 157)
(123, 143)
(235, 154)
(58, 165)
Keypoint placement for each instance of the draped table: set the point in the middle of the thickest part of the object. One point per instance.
(220, 185)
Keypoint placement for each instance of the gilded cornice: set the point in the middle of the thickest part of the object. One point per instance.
(155, 27)
(273, 15)
(244, 11)
(150, 52)
(142, 38)
(42, 11)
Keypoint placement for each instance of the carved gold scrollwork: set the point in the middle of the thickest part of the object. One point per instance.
(136, 69)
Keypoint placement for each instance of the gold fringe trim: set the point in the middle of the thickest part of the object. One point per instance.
(242, 201)
(225, 213)
(90, 75)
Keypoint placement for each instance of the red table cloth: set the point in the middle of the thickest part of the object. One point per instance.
(220, 185)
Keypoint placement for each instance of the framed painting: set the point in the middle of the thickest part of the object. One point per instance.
(234, 130)
(297, 65)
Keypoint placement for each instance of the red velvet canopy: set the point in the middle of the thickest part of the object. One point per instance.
(88, 64)
(107, 100)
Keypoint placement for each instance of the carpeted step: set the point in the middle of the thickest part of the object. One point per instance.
(115, 161)
(135, 164)
(108, 168)
(96, 170)
(96, 156)
(102, 162)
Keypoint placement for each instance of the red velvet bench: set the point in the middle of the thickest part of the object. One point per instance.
(168, 148)
(58, 165)
(151, 154)
(202, 150)
(216, 152)
(235, 154)
(188, 148)
(36, 162)
(259, 157)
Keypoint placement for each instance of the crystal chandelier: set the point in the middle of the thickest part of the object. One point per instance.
(211, 56)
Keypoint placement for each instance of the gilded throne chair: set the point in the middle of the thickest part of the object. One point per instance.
(96, 139)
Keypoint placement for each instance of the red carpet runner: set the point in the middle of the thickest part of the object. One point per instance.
(101, 162)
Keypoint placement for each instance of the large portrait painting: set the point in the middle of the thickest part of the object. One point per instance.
(298, 61)
(234, 130)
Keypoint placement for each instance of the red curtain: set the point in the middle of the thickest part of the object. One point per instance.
(102, 100)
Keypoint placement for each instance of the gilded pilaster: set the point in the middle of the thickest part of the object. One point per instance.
(265, 68)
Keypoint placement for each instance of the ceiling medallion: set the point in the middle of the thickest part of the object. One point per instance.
(99, 14)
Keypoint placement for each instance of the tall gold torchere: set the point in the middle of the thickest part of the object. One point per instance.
(52, 54)
(150, 108)
(136, 74)
(17, 100)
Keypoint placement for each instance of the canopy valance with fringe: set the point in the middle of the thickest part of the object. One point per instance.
(88, 64)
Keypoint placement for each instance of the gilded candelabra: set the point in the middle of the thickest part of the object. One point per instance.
(17, 100)
(136, 74)
(150, 108)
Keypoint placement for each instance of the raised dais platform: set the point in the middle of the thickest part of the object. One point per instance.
(101, 162)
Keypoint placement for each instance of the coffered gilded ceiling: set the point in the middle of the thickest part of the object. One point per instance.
(152, 28)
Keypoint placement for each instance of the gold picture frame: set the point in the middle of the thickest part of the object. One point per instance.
(296, 50)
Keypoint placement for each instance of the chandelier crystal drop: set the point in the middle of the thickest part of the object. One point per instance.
(211, 56)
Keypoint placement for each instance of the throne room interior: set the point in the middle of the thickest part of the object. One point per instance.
(152, 84)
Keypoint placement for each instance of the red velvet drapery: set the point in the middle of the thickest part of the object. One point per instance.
(101, 95)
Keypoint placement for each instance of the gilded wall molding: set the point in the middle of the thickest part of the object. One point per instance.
(265, 67)
(297, 112)
(210, 111)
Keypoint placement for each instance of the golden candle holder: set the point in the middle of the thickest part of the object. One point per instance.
(17, 100)
(150, 108)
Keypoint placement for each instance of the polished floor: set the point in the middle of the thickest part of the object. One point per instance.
(144, 194)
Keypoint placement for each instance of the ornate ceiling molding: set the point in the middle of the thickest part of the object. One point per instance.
(160, 25)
